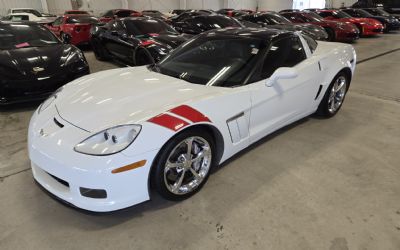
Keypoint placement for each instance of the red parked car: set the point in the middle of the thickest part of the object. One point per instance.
(118, 13)
(74, 29)
(337, 31)
(367, 26)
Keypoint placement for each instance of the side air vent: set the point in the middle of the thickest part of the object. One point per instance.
(58, 123)
(319, 92)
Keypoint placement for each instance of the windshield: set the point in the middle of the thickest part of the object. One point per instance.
(313, 17)
(275, 19)
(150, 26)
(212, 60)
(363, 13)
(16, 36)
(16, 18)
(82, 19)
(341, 14)
(215, 22)
(378, 12)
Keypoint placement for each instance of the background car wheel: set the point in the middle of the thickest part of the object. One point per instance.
(183, 165)
(143, 57)
(99, 51)
(361, 30)
(334, 96)
(331, 34)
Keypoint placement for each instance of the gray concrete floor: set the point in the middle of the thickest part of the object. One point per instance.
(319, 184)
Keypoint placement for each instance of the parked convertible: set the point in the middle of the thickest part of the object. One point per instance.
(135, 40)
(34, 63)
(118, 13)
(367, 26)
(337, 31)
(389, 22)
(74, 29)
(199, 24)
(100, 142)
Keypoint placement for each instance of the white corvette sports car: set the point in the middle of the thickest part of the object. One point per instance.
(102, 141)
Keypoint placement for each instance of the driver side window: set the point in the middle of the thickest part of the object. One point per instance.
(287, 52)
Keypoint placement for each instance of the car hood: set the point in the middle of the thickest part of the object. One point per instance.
(125, 96)
(34, 62)
(170, 40)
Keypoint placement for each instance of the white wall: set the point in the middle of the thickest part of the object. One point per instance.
(58, 6)
(339, 3)
(241, 4)
(5, 5)
(161, 5)
(275, 5)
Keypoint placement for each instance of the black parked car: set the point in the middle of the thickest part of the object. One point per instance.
(188, 14)
(380, 12)
(389, 23)
(135, 41)
(199, 24)
(34, 63)
(271, 19)
(154, 14)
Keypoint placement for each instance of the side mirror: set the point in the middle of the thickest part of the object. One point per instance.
(281, 73)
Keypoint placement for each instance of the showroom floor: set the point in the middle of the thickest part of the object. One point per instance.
(319, 184)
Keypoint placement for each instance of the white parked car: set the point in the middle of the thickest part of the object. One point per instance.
(43, 16)
(102, 141)
(22, 17)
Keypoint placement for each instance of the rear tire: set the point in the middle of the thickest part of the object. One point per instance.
(331, 34)
(334, 96)
(183, 165)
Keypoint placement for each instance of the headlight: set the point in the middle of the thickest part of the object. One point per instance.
(76, 57)
(109, 141)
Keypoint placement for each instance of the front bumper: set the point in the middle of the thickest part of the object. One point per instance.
(68, 174)
(347, 35)
(370, 30)
(20, 91)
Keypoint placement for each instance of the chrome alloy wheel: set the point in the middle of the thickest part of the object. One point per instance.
(187, 165)
(337, 94)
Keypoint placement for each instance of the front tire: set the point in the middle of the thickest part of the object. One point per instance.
(331, 34)
(99, 51)
(183, 165)
(143, 57)
(334, 96)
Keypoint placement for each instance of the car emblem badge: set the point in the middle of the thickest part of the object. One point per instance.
(42, 133)
(36, 70)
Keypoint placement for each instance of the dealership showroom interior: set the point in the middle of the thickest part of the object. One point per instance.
(200, 124)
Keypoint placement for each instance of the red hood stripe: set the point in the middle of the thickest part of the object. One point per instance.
(189, 113)
(169, 121)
